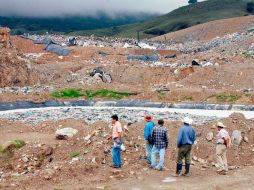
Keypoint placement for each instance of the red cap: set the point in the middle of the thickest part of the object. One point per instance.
(148, 117)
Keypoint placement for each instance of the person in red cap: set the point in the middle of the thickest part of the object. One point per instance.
(148, 129)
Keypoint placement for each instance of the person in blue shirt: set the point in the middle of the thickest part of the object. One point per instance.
(148, 129)
(185, 140)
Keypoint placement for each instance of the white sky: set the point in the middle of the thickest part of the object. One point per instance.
(85, 7)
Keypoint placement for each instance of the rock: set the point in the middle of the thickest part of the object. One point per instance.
(101, 187)
(65, 133)
(195, 158)
(25, 159)
(94, 161)
(117, 172)
(237, 137)
(209, 136)
(87, 138)
(48, 151)
(103, 161)
(170, 56)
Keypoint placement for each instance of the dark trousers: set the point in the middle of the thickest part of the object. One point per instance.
(184, 152)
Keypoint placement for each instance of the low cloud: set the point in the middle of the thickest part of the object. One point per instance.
(50, 8)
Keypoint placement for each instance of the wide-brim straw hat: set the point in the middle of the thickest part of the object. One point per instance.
(220, 124)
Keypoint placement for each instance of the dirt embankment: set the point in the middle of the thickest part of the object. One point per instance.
(14, 69)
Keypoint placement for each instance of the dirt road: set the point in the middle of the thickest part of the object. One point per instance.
(239, 179)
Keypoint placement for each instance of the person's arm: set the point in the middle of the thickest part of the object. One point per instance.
(119, 133)
(179, 138)
(146, 132)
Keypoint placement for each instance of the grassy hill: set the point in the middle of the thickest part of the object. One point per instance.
(178, 19)
(69, 24)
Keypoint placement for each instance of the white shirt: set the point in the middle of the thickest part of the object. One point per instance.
(222, 134)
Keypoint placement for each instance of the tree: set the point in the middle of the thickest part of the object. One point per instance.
(250, 7)
(192, 1)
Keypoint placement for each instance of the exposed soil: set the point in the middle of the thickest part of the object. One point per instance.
(55, 168)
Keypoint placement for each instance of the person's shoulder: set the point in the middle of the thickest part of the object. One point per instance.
(118, 124)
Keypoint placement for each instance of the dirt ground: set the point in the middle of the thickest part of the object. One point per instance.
(57, 170)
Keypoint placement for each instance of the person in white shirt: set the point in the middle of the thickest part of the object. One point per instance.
(117, 134)
(223, 142)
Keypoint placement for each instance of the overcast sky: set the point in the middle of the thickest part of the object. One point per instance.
(84, 7)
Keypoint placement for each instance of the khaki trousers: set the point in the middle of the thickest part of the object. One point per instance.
(221, 155)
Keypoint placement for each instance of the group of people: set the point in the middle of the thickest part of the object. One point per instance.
(157, 141)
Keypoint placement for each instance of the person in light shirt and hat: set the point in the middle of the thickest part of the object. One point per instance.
(223, 142)
(185, 140)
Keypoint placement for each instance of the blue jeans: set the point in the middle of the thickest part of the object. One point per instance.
(155, 152)
(116, 153)
(148, 152)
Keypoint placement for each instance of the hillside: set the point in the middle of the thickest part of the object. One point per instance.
(180, 18)
(210, 30)
(70, 24)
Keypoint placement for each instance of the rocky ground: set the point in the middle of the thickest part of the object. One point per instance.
(83, 161)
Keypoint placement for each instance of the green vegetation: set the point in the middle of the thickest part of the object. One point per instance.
(104, 93)
(192, 1)
(69, 24)
(19, 143)
(178, 19)
(68, 93)
(74, 154)
(128, 25)
(226, 98)
(187, 98)
(161, 95)
(248, 94)
(76, 93)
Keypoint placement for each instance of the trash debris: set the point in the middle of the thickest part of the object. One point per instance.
(105, 77)
(57, 49)
(145, 58)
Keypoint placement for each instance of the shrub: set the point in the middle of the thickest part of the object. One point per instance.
(19, 143)
(250, 7)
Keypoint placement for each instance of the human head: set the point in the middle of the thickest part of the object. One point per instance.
(187, 121)
(148, 118)
(220, 126)
(161, 122)
(114, 118)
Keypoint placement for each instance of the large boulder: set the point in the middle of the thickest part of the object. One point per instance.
(237, 137)
(65, 133)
